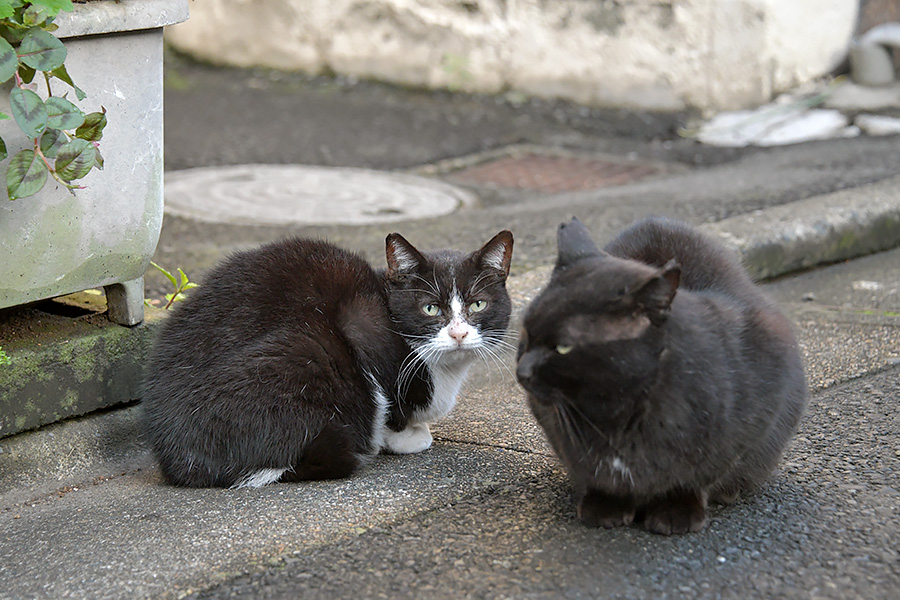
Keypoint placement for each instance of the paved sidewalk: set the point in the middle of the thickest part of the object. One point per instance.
(486, 512)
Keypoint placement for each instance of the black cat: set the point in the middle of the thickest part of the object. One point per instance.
(662, 376)
(299, 361)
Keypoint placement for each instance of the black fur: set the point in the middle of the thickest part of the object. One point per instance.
(661, 374)
(275, 361)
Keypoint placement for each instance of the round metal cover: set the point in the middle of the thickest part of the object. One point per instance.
(296, 194)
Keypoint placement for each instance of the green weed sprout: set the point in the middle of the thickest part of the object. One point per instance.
(181, 284)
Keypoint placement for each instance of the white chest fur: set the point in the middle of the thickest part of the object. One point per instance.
(446, 379)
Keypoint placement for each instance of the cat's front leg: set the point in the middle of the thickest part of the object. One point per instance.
(597, 509)
(676, 512)
(415, 437)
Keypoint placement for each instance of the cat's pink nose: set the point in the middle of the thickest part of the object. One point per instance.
(458, 333)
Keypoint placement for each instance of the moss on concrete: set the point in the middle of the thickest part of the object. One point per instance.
(71, 367)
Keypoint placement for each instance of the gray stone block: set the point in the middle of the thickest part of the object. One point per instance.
(63, 367)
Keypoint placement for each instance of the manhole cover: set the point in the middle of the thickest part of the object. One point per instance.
(552, 174)
(285, 194)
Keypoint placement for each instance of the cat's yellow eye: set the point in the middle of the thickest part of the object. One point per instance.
(432, 310)
(561, 349)
(478, 306)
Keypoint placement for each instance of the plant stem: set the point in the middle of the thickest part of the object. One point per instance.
(69, 186)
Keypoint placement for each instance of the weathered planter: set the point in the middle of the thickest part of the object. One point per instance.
(55, 243)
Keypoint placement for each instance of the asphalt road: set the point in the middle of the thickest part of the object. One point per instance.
(826, 526)
(486, 512)
(222, 117)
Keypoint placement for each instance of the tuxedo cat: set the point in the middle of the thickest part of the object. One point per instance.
(662, 376)
(299, 361)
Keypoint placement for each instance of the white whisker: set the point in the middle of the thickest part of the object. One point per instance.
(474, 289)
(585, 418)
(487, 352)
(435, 289)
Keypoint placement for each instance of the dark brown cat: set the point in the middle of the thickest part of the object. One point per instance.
(661, 374)
(297, 360)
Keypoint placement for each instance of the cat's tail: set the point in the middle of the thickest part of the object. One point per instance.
(706, 263)
(329, 455)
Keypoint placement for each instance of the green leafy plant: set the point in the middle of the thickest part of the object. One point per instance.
(63, 140)
(4, 357)
(181, 284)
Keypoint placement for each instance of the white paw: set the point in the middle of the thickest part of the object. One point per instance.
(415, 438)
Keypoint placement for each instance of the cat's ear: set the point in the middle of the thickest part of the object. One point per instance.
(497, 253)
(657, 293)
(402, 257)
(574, 242)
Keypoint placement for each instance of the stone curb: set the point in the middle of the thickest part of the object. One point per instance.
(67, 368)
(816, 231)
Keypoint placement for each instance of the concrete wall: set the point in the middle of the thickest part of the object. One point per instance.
(660, 54)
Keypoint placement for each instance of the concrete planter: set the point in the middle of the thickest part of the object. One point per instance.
(54, 243)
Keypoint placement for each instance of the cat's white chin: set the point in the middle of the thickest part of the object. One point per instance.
(456, 355)
(414, 438)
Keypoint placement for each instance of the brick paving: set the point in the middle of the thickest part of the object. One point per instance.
(553, 174)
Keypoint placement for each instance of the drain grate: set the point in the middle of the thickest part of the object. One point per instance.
(552, 174)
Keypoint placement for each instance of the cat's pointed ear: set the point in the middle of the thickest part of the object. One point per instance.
(497, 253)
(574, 242)
(657, 293)
(402, 257)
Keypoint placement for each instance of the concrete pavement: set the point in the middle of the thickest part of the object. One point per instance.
(486, 512)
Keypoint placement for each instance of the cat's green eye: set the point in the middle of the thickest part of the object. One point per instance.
(432, 310)
(561, 349)
(478, 306)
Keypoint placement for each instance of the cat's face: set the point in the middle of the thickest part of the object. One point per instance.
(594, 332)
(447, 304)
